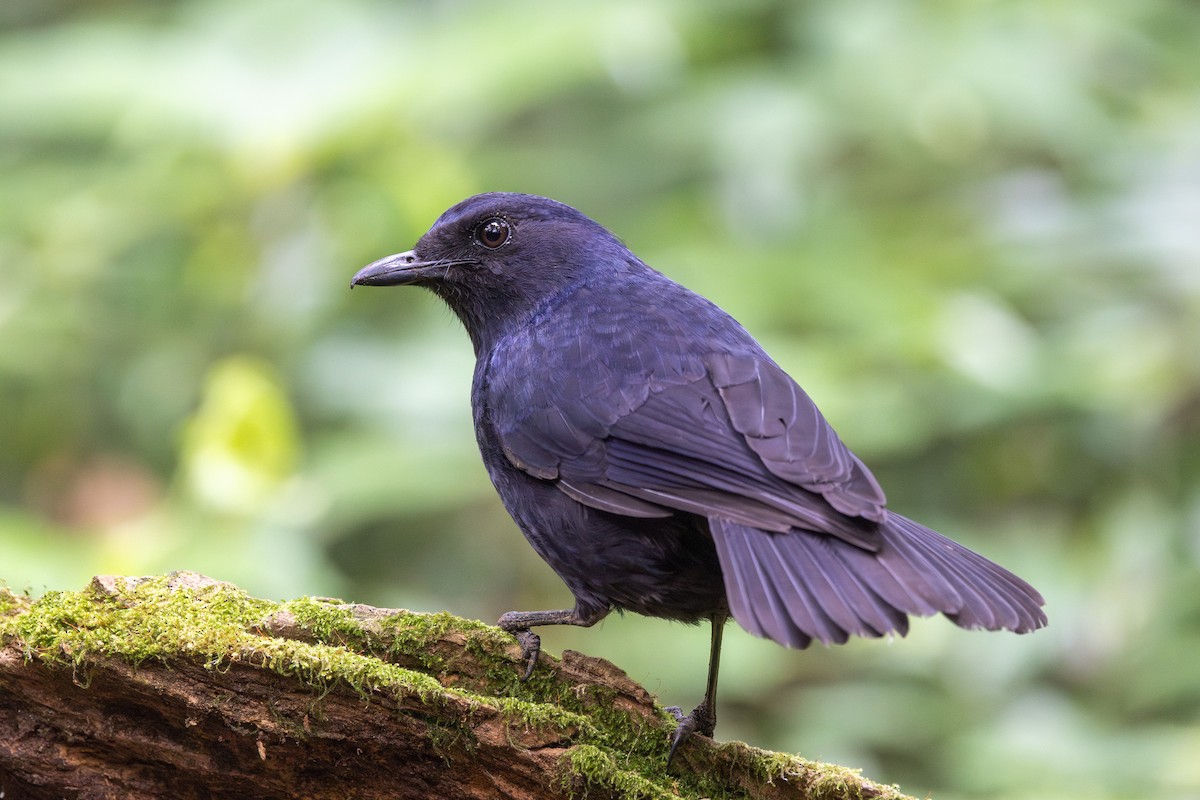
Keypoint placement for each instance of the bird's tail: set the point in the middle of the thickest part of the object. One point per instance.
(799, 586)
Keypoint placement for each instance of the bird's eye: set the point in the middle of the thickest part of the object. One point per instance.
(493, 233)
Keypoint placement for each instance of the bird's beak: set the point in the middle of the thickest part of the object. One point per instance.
(394, 270)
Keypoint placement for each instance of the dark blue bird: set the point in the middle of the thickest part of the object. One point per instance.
(658, 459)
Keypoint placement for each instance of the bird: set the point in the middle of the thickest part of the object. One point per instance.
(662, 463)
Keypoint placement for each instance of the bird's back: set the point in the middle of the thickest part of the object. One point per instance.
(617, 336)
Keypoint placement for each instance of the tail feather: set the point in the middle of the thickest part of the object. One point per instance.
(799, 586)
(997, 599)
(814, 615)
(750, 599)
(905, 578)
(862, 610)
(850, 602)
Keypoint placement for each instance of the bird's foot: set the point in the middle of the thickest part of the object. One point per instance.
(518, 624)
(702, 720)
(531, 646)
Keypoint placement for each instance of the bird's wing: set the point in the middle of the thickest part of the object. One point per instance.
(724, 435)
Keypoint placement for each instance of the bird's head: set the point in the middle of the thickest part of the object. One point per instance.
(496, 258)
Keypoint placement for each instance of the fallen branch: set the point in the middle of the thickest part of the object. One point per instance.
(185, 687)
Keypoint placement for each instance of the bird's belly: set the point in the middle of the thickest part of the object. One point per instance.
(661, 567)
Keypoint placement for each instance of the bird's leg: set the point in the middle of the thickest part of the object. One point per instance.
(703, 719)
(518, 624)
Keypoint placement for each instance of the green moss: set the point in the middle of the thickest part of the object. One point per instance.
(151, 620)
(10, 602)
(415, 634)
(323, 665)
(539, 716)
(327, 619)
(741, 763)
(594, 768)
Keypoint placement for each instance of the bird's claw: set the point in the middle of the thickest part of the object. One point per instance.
(531, 646)
(702, 721)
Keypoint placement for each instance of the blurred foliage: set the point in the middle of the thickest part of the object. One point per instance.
(970, 229)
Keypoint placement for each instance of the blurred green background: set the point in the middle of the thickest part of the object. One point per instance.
(970, 229)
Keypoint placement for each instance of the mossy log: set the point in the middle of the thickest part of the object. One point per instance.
(185, 687)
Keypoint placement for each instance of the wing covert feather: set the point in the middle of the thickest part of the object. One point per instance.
(692, 442)
(791, 436)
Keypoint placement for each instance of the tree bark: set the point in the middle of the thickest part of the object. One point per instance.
(184, 687)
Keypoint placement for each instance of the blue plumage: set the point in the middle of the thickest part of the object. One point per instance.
(658, 459)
